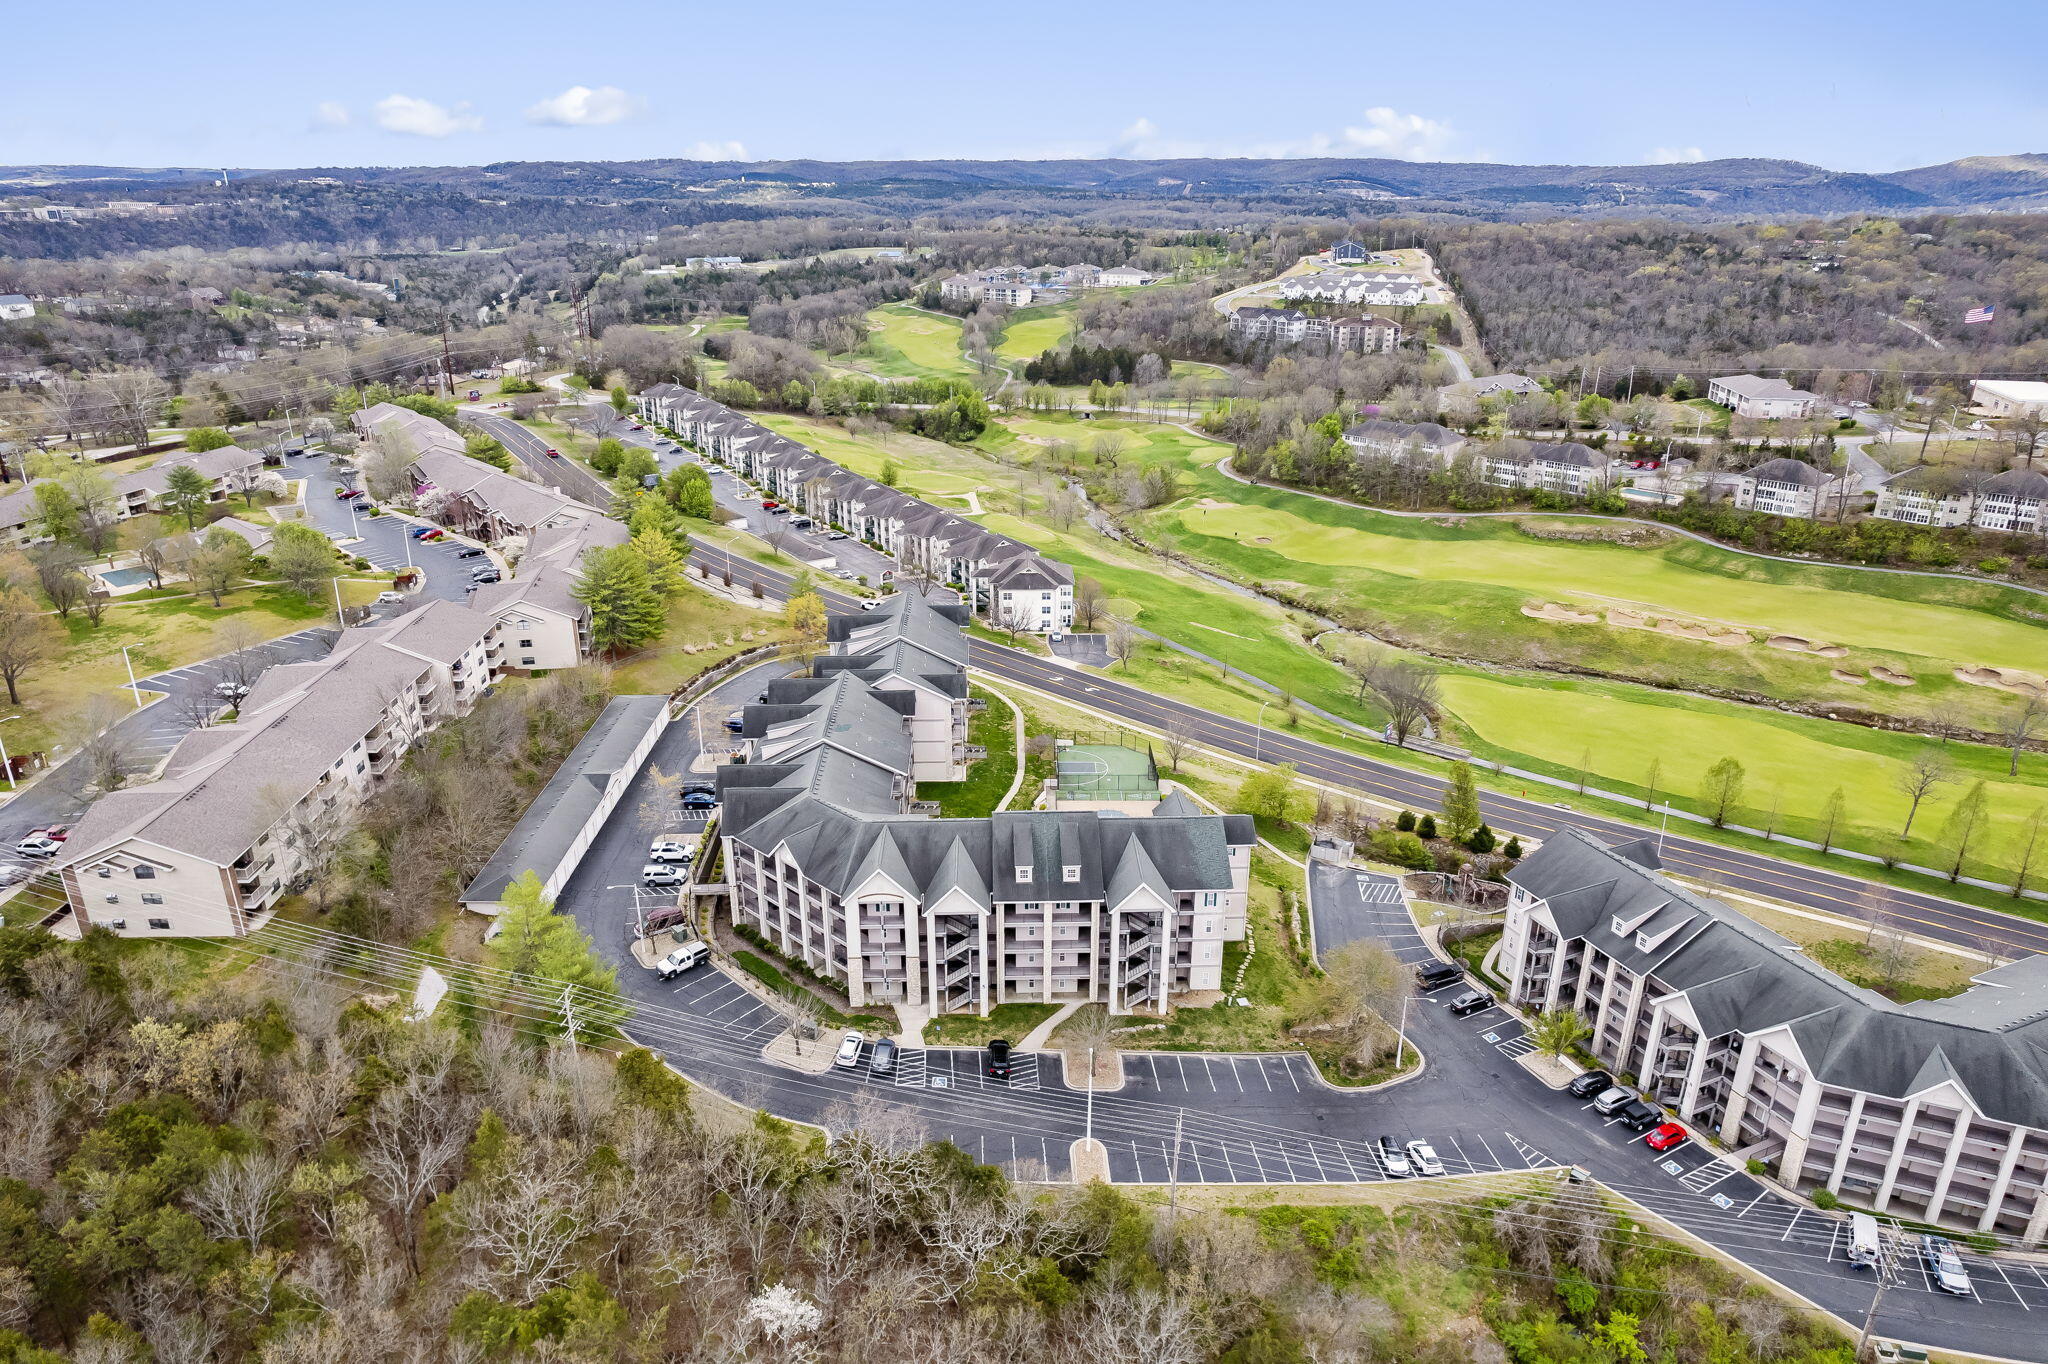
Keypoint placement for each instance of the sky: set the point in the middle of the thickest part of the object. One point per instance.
(1873, 86)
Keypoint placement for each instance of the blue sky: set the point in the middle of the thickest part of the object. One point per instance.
(1879, 85)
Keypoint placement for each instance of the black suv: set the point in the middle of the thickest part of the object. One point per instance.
(1435, 975)
(1638, 1116)
(996, 1064)
(1590, 1084)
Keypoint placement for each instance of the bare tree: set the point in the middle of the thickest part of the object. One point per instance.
(413, 1139)
(1408, 691)
(1089, 599)
(242, 1198)
(1123, 642)
(1178, 739)
(1929, 770)
(27, 638)
(2020, 724)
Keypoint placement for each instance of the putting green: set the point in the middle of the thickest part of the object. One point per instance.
(1031, 332)
(1598, 574)
(908, 344)
(1799, 758)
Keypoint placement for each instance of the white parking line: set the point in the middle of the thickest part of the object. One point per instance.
(1753, 1202)
(1264, 1178)
(2009, 1284)
(1796, 1213)
(1209, 1072)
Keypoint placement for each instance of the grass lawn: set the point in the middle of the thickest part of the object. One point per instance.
(904, 343)
(926, 468)
(1007, 1021)
(765, 971)
(703, 631)
(988, 779)
(1556, 725)
(1033, 331)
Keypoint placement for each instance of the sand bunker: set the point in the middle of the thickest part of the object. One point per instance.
(1794, 644)
(1262, 539)
(1726, 636)
(1559, 615)
(2004, 679)
(1211, 504)
(1891, 675)
(1853, 679)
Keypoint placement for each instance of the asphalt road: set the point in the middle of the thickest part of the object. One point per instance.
(562, 474)
(1732, 869)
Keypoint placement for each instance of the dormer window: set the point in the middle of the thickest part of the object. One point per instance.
(1070, 873)
(1023, 875)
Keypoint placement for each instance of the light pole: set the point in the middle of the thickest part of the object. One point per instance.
(1259, 729)
(132, 688)
(6, 761)
(1089, 1126)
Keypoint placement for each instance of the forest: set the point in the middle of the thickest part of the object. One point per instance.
(207, 1158)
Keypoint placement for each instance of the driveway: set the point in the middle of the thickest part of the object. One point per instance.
(384, 540)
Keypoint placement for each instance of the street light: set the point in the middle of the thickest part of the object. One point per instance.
(132, 688)
(1259, 729)
(6, 761)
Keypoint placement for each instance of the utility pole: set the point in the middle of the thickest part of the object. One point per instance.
(569, 1014)
(447, 363)
(1884, 1281)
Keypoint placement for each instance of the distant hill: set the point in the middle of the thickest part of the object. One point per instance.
(1737, 187)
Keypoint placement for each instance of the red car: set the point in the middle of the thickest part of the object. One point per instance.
(431, 535)
(1665, 1137)
(554, 453)
(56, 832)
(770, 505)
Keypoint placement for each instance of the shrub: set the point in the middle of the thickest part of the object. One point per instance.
(1426, 827)
(1406, 822)
(1757, 1167)
(1825, 1200)
(1482, 840)
(1994, 564)
(1513, 851)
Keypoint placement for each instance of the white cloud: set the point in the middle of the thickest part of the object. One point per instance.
(423, 118)
(582, 107)
(1668, 156)
(716, 151)
(1384, 132)
(331, 114)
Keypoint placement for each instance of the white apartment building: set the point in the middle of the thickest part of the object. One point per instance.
(1391, 439)
(828, 861)
(1748, 395)
(1936, 1111)
(232, 825)
(2013, 501)
(1381, 288)
(228, 471)
(1291, 326)
(1563, 468)
(1790, 487)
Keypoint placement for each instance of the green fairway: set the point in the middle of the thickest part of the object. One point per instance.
(904, 343)
(1033, 331)
(924, 467)
(1613, 733)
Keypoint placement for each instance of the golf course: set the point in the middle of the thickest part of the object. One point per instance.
(907, 343)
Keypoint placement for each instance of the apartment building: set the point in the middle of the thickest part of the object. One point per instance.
(228, 471)
(1291, 327)
(2014, 501)
(1392, 440)
(1379, 287)
(241, 811)
(1004, 580)
(1790, 487)
(1561, 468)
(1750, 395)
(541, 623)
(1997, 397)
(1936, 1111)
(829, 858)
(913, 648)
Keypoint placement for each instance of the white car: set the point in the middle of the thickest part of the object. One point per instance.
(37, 845)
(661, 874)
(849, 1053)
(671, 850)
(233, 691)
(1423, 1157)
(389, 598)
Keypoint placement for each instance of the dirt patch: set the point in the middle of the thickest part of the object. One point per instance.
(1891, 675)
(1853, 679)
(1608, 532)
(1557, 614)
(1262, 539)
(2004, 679)
(1794, 644)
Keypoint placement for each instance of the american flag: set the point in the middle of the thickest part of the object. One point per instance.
(1983, 314)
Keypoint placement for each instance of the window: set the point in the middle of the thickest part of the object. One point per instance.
(1070, 873)
(1208, 899)
(151, 898)
(161, 925)
(118, 925)
(526, 644)
(145, 873)
(1023, 874)
(106, 873)
(113, 899)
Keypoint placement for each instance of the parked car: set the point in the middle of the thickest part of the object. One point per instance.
(434, 533)
(995, 1062)
(1471, 1002)
(469, 552)
(390, 598)
(661, 874)
(1435, 975)
(1664, 1137)
(419, 532)
(883, 1061)
(39, 844)
(346, 492)
(700, 788)
(1944, 1266)
(802, 522)
(1639, 1116)
(769, 504)
(836, 535)
(1424, 1158)
(735, 723)
(849, 1052)
(681, 960)
(486, 575)
(1392, 1158)
(697, 800)
(1610, 1101)
(671, 850)
(1589, 1084)
(778, 511)
(870, 604)
(232, 691)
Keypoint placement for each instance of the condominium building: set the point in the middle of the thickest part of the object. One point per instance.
(241, 811)
(1750, 395)
(1005, 581)
(1560, 468)
(1379, 287)
(227, 471)
(830, 858)
(2014, 501)
(1291, 327)
(1392, 439)
(1791, 487)
(1935, 1111)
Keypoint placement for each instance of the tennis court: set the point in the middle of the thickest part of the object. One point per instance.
(1106, 772)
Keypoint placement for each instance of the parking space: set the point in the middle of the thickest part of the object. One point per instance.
(1086, 650)
(1170, 1073)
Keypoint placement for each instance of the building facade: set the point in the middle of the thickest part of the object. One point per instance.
(1935, 1111)
(1573, 469)
(1293, 327)
(828, 857)
(1790, 487)
(2010, 397)
(1748, 395)
(2015, 501)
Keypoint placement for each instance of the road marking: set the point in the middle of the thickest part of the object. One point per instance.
(1264, 1178)
(1319, 1162)
(1753, 1202)
(1264, 1076)
(1490, 1156)
(2009, 1284)
(1796, 1213)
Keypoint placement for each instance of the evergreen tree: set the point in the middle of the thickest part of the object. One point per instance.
(625, 609)
(547, 952)
(665, 568)
(203, 438)
(186, 492)
(1461, 804)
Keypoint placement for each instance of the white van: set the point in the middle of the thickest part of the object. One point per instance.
(1866, 1250)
